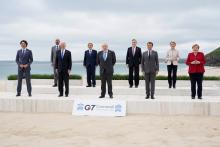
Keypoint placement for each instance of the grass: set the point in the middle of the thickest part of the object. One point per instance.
(44, 76)
(115, 77)
(159, 77)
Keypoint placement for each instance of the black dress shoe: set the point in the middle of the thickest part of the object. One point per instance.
(101, 96)
(88, 86)
(111, 96)
(174, 87)
(18, 94)
(55, 85)
(170, 86)
(29, 95)
(131, 86)
(147, 97)
(200, 98)
(136, 86)
(152, 97)
(60, 95)
(66, 95)
(193, 97)
(93, 85)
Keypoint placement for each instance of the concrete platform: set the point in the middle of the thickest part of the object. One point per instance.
(162, 105)
(168, 101)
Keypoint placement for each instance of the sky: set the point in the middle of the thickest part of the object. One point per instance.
(115, 22)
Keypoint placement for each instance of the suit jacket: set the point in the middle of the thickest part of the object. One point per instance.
(90, 59)
(65, 64)
(26, 58)
(53, 54)
(106, 66)
(172, 57)
(133, 60)
(150, 65)
(196, 68)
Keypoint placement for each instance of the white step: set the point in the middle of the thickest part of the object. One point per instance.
(162, 105)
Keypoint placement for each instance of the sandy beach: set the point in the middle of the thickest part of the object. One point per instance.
(44, 130)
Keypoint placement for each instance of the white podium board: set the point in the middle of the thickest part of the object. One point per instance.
(99, 107)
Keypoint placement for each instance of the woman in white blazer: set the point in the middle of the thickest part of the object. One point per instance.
(172, 59)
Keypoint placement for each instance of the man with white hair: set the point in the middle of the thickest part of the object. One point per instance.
(54, 50)
(63, 67)
(106, 60)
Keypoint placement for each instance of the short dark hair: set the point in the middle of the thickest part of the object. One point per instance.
(150, 43)
(24, 41)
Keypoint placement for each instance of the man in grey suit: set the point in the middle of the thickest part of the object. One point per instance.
(106, 60)
(150, 68)
(54, 50)
(24, 59)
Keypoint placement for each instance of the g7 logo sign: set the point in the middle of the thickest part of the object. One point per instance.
(89, 107)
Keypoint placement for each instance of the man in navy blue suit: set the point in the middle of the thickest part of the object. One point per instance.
(24, 58)
(90, 64)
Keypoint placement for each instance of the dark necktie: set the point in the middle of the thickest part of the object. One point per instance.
(62, 54)
(149, 55)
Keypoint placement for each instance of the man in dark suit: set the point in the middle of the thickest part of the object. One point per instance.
(106, 60)
(63, 66)
(150, 68)
(90, 64)
(24, 59)
(133, 61)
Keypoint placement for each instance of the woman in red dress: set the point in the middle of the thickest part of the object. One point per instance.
(196, 62)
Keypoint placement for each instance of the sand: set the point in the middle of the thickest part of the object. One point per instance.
(64, 130)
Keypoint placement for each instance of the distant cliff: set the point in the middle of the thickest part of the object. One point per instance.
(213, 58)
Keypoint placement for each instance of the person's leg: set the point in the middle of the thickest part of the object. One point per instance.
(193, 84)
(147, 83)
(136, 75)
(152, 82)
(199, 83)
(19, 85)
(131, 77)
(174, 75)
(88, 70)
(66, 81)
(93, 76)
(109, 82)
(103, 84)
(55, 76)
(28, 82)
(169, 70)
(60, 83)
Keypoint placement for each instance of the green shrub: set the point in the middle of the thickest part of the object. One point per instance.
(44, 76)
(160, 77)
(115, 77)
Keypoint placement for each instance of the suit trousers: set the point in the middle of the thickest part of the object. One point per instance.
(55, 75)
(172, 75)
(150, 83)
(133, 75)
(90, 75)
(106, 78)
(24, 74)
(63, 79)
(196, 78)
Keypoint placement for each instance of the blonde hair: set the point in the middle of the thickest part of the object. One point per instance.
(172, 42)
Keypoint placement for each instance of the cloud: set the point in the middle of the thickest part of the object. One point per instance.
(115, 22)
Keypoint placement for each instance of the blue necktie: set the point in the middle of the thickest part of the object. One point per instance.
(105, 56)
(62, 54)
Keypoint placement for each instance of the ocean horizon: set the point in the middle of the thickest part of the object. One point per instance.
(44, 67)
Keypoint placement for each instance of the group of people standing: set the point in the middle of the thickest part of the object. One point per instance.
(148, 61)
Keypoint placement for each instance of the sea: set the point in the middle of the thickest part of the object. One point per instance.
(44, 67)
